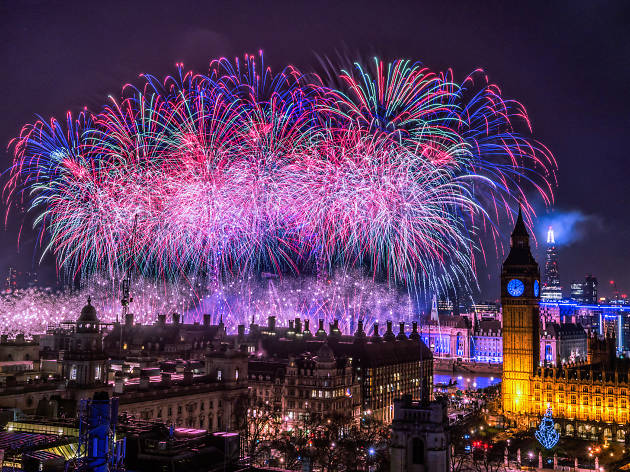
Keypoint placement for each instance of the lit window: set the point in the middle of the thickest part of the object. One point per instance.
(73, 372)
(219, 375)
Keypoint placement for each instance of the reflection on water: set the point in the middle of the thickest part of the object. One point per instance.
(467, 381)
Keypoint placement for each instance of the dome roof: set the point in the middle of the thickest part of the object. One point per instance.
(88, 313)
(325, 354)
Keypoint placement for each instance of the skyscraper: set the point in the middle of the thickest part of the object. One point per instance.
(577, 291)
(590, 289)
(551, 289)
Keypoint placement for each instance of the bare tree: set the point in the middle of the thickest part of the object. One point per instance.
(259, 423)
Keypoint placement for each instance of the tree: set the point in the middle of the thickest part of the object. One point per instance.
(335, 442)
(488, 458)
(259, 423)
(546, 433)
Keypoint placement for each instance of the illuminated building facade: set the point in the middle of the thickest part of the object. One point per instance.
(385, 366)
(562, 344)
(487, 342)
(577, 291)
(296, 388)
(589, 399)
(447, 336)
(551, 289)
(520, 285)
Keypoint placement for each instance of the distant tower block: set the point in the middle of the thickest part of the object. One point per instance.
(521, 339)
(552, 290)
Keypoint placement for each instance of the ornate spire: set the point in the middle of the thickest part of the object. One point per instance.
(520, 253)
(520, 236)
(551, 239)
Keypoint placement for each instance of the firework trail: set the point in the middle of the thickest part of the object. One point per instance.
(32, 310)
(394, 168)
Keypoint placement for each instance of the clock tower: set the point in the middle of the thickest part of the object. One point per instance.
(520, 294)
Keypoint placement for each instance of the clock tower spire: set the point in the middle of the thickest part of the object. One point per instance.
(520, 294)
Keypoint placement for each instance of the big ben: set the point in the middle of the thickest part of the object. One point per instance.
(520, 294)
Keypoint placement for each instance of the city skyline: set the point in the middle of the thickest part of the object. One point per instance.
(593, 217)
(319, 236)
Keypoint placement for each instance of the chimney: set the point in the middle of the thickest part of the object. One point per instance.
(401, 332)
(129, 319)
(321, 332)
(4, 338)
(19, 339)
(298, 326)
(389, 334)
(376, 336)
(291, 330)
(334, 329)
(414, 331)
(307, 332)
(206, 319)
(176, 317)
(161, 319)
(271, 323)
(359, 332)
(241, 331)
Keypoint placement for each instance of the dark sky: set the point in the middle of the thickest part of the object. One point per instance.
(568, 62)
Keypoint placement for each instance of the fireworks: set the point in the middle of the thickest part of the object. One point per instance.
(32, 310)
(345, 297)
(397, 170)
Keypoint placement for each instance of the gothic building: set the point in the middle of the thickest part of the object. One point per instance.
(588, 399)
(420, 440)
(85, 363)
(520, 285)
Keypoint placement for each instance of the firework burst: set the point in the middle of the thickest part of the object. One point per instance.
(398, 169)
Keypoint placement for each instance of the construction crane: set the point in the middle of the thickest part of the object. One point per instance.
(126, 283)
(126, 298)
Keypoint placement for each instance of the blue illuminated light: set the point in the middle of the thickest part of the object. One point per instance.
(515, 287)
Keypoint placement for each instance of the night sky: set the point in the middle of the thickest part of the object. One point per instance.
(568, 62)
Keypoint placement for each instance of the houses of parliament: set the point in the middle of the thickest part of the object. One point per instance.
(588, 399)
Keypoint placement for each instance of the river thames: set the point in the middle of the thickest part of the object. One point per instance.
(467, 381)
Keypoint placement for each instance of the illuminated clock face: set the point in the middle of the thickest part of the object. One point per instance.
(515, 288)
(536, 288)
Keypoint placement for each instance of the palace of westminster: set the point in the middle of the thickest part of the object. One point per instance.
(588, 398)
(195, 375)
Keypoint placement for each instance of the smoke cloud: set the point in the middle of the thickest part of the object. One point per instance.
(569, 227)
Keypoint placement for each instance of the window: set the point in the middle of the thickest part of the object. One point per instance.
(97, 372)
(417, 451)
(179, 409)
(219, 375)
(73, 372)
(236, 374)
